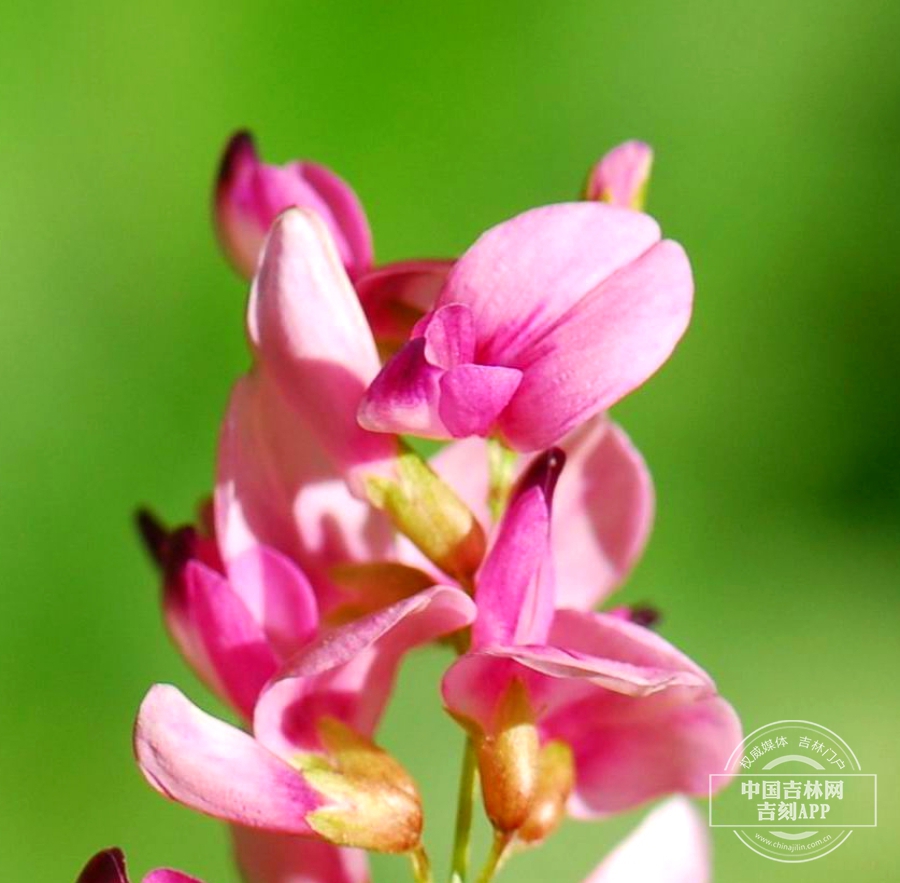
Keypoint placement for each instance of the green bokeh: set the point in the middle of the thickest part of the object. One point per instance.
(773, 435)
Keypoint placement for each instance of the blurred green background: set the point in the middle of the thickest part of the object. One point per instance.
(773, 435)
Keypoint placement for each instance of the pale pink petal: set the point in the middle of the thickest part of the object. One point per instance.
(396, 296)
(274, 488)
(608, 344)
(522, 276)
(349, 672)
(671, 845)
(637, 754)
(233, 640)
(463, 464)
(277, 858)
(603, 512)
(251, 194)
(309, 332)
(620, 178)
(557, 679)
(107, 866)
(514, 592)
(278, 596)
(212, 767)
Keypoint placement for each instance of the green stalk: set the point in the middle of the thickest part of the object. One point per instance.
(460, 862)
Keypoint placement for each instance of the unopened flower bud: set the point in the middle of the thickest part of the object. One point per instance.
(508, 761)
(430, 514)
(621, 177)
(250, 194)
(556, 778)
(373, 802)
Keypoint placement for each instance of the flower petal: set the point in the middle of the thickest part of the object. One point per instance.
(515, 587)
(275, 858)
(603, 506)
(605, 346)
(620, 178)
(603, 512)
(274, 488)
(210, 766)
(308, 329)
(473, 397)
(348, 673)
(522, 276)
(671, 845)
(251, 194)
(233, 640)
(396, 296)
(278, 596)
(107, 866)
(164, 875)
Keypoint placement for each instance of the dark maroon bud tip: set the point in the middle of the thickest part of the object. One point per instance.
(543, 472)
(153, 534)
(646, 615)
(240, 148)
(107, 866)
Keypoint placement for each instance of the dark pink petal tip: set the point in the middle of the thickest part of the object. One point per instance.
(107, 866)
(241, 148)
(543, 472)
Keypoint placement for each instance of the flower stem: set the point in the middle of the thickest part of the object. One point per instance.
(496, 858)
(421, 865)
(459, 868)
(501, 465)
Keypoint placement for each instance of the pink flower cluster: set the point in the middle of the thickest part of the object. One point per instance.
(331, 548)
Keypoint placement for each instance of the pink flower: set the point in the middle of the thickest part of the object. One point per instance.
(671, 845)
(604, 499)
(640, 718)
(309, 768)
(290, 442)
(251, 194)
(620, 178)
(109, 867)
(549, 319)
(235, 625)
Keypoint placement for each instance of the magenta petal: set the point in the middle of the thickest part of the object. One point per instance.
(276, 858)
(234, 642)
(164, 875)
(342, 211)
(473, 396)
(309, 331)
(620, 177)
(603, 509)
(525, 274)
(107, 866)
(349, 672)
(278, 596)
(212, 767)
(250, 195)
(405, 396)
(614, 340)
(515, 588)
(397, 295)
(449, 334)
(671, 845)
